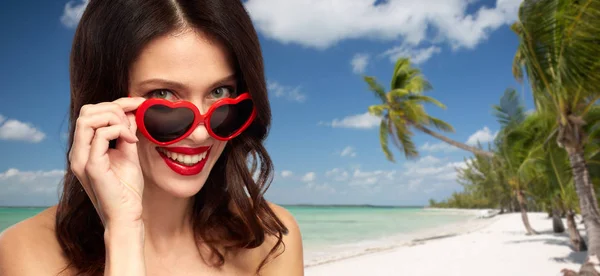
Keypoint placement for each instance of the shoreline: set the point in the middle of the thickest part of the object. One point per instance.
(487, 246)
(347, 251)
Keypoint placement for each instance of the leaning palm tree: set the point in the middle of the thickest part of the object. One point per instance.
(402, 111)
(558, 50)
(555, 179)
(514, 144)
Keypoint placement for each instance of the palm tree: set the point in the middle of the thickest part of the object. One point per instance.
(402, 110)
(555, 179)
(559, 52)
(514, 144)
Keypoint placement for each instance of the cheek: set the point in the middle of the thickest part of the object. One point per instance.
(220, 146)
(145, 147)
(216, 151)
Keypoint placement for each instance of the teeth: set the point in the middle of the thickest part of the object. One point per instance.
(184, 158)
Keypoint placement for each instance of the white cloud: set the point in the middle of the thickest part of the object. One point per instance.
(360, 178)
(18, 188)
(432, 169)
(73, 12)
(427, 161)
(325, 187)
(15, 130)
(29, 176)
(321, 24)
(289, 93)
(414, 184)
(348, 151)
(337, 174)
(359, 63)
(416, 55)
(309, 177)
(438, 147)
(484, 136)
(359, 121)
(413, 181)
(285, 174)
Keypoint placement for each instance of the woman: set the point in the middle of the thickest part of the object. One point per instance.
(168, 102)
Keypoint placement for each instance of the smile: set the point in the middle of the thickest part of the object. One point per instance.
(184, 160)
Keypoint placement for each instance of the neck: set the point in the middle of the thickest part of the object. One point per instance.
(167, 219)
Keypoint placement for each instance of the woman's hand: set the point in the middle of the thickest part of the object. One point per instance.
(112, 178)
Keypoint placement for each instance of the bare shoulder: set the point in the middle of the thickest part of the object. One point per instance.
(285, 260)
(290, 261)
(30, 247)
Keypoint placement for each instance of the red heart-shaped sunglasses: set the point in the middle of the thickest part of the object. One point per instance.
(165, 122)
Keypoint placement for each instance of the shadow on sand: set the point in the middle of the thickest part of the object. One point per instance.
(559, 239)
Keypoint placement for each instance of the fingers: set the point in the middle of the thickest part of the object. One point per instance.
(99, 145)
(130, 149)
(95, 116)
(84, 132)
(129, 104)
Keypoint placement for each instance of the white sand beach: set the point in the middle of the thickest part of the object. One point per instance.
(494, 246)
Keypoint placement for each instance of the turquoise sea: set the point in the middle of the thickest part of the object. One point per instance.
(331, 232)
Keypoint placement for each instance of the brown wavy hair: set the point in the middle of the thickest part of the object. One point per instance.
(108, 39)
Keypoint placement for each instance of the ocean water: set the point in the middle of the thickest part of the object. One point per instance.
(332, 232)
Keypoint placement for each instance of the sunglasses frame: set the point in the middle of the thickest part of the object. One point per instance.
(198, 117)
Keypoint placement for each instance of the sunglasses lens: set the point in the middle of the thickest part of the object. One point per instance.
(228, 119)
(166, 124)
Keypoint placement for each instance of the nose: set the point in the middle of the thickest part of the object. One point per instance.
(200, 134)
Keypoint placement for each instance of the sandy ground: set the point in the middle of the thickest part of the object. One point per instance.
(499, 247)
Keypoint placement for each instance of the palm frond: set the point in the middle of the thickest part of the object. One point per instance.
(425, 99)
(418, 84)
(517, 66)
(411, 112)
(397, 94)
(560, 48)
(399, 75)
(404, 137)
(384, 133)
(378, 110)
(376, 88)
(510, 112)
(439, 124)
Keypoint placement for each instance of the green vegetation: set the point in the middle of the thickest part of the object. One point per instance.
(548, 160)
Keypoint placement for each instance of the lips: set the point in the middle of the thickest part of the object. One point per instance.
(182, 169)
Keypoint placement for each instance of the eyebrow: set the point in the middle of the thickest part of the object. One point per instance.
(181, 86)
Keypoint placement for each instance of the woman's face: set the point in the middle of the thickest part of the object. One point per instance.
(183, 66)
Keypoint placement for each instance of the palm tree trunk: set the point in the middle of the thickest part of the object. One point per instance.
(523, 207)
(587, 198)
(457, 144)
(576, 239)
(557, 224)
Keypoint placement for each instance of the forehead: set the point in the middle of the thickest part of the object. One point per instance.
(190, 57)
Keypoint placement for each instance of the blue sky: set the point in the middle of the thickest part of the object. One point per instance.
(325, 148)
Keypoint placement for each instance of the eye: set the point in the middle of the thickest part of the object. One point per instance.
(222, 92)
(161, 94)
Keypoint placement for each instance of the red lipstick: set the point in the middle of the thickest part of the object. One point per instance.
(185, 169)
